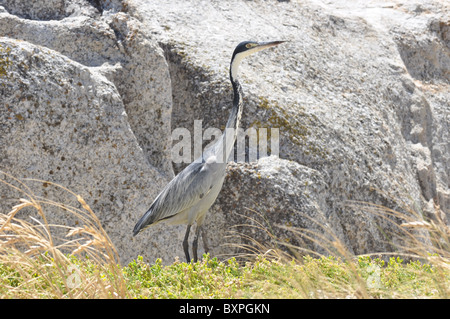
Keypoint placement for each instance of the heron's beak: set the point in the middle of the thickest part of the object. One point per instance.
(264, 45)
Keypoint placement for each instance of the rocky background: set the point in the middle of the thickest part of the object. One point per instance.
(90, 91)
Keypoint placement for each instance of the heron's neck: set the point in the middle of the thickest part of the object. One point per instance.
(225, 146)
(236, 111)
(228, 138)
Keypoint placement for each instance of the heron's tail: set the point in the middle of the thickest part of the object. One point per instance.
(143, 222)
(137, 229)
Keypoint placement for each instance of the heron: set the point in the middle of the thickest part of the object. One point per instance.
(189, 195)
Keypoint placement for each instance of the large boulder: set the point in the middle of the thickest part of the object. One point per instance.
(115, 45)
(86, 104)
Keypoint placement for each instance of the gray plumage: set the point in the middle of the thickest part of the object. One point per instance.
(189, 195)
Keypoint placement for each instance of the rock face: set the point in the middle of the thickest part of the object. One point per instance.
(90, 92)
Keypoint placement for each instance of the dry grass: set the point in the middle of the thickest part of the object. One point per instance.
(419, 267)
(43, 261)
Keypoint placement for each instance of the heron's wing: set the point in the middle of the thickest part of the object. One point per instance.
(183, 192)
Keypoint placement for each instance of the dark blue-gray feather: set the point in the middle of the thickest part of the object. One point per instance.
(183, 192)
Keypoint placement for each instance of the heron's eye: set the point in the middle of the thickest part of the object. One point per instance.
(249, 45)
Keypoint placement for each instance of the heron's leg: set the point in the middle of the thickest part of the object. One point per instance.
(195, 242)
(186, 244)
(205, 243)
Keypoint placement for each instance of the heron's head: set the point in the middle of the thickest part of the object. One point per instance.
(246, 48)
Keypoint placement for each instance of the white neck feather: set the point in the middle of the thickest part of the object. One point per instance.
(237, 61)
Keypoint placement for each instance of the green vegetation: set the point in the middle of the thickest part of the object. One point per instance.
(324, 277)
(33, 265)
